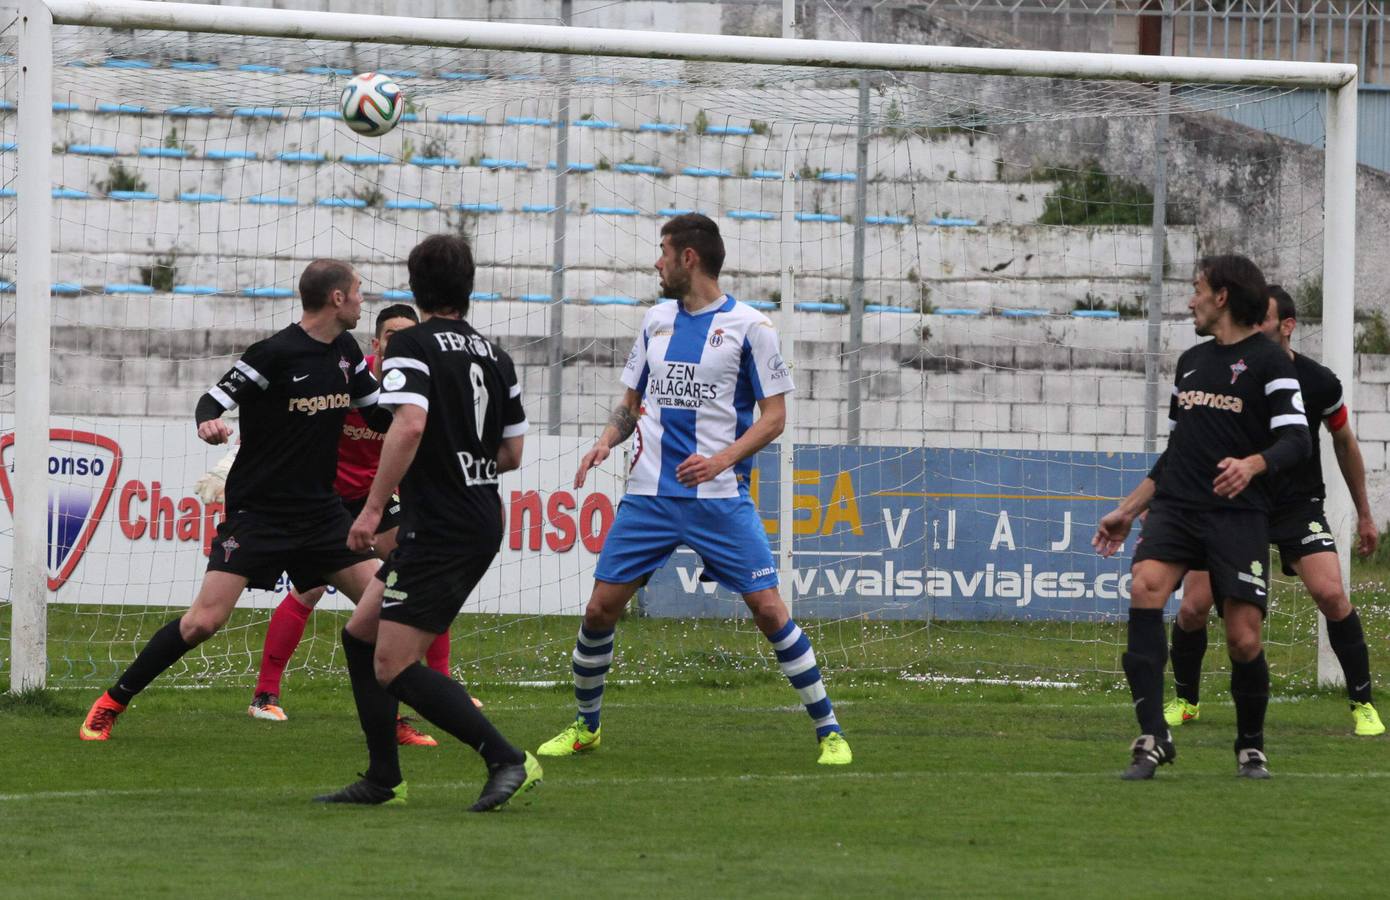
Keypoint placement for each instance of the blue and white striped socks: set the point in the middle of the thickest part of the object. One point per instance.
(798, 662)
(593, 655)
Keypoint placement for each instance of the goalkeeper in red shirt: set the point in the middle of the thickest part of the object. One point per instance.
(359, 451)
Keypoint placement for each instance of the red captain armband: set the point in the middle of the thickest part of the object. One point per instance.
(1338, 419)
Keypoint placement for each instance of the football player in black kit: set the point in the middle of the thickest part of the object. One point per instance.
(1300, 530)
(294, 389)
(458, 425)
(1235, 419)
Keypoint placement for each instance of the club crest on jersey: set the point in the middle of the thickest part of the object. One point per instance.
(1237, 368)
(717, 337)
(228, 546)
(346, 367)
(82, 469)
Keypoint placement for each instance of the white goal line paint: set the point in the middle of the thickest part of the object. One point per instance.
(790, 777)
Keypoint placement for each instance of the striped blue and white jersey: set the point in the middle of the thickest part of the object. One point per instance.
(700, 377)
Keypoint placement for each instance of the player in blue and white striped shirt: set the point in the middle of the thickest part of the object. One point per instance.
(701, 364)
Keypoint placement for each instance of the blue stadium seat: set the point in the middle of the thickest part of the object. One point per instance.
(955, 311)
(818, 217)
(260, 112)
(661, 127)
(322, 114)
(1023, 313)
(729, 129)
(596, 79)
(609, 300)
(196, 197)
(327, 70)
(65, 107)
(1095, 313)
(753, 215)
(573, 167)
(66, 288)
(615, 211)
(837, 176)
(887, 220)
(70, 194)
(7, 192)
(639, 169)
(763, 305)
(767, 174)
(528, 120)
(230, 154)
(595, 123)
(491, 163)
(199, 290)
(259, 67)
(461, 119)
(8, 147)
(486, 296)
(534, 298)
(7, 287)
(409, 204)
(271, 200)
(185, 65)
(952, 222)
(479, 207)
(300, 156)
(128, 109)
(8, 105)
(165, 152)
(270, 292)
(132, 195)
(202, 112)
(462, 76)
(92, 149)
(674, 211)
(410, 117)
(127, 64)
(702, 172)
(448, 162)
(347, 202)
(820, 306)
(539, 207)
(127, 289)
(397, 295)
(887, 308)
(367, 159)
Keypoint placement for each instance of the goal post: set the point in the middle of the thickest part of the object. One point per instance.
(779, 255)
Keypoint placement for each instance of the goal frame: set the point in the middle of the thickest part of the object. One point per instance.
(29, 584)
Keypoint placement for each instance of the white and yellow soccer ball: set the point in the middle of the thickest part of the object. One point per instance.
(372, 104)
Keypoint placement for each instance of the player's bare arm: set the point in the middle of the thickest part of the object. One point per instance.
(772, 418)
(1114, 526)
(1353, 468)
(397, 453)
(622, 422)
(509, 454)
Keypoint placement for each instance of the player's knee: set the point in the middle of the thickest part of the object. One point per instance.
(1243, 646)
(195, 628)
(1147, 589)
(1192, 618)
(1331, 600)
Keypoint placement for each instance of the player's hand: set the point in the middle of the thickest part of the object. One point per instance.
(1111, 532)
(362, 535)
(698, 469)
(214, 431)
(1367, 535)
(1236, 474)
(212, 487)
(594, 457)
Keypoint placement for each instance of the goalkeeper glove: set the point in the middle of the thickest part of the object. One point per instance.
(212, 487)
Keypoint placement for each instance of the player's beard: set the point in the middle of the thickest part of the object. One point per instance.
(675, 286)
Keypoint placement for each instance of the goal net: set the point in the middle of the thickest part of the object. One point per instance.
(960, 266)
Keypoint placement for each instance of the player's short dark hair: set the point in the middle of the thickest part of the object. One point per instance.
(1246, 294)
(1287, 308)
(320, 279)
(441, 273)
(698, 233)
(395, 311)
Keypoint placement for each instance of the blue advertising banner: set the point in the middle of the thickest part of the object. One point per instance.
(912, 533)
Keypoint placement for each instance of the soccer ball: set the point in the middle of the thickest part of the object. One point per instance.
(372, 104)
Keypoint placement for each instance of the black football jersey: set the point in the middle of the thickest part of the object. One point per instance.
(294, 392)
(1322, 395)
(469, 390)
(1228, 400)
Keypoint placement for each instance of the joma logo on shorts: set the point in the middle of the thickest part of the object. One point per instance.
(763, 573)
(1189, 399)
(314, 405)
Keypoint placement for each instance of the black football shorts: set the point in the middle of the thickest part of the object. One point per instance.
(1230, 545)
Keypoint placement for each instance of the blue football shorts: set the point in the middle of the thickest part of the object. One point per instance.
(725, 531)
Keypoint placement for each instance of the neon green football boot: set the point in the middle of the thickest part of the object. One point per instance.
(576, 738)
(1178, 711)
(1367, 721)
(834, 750)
